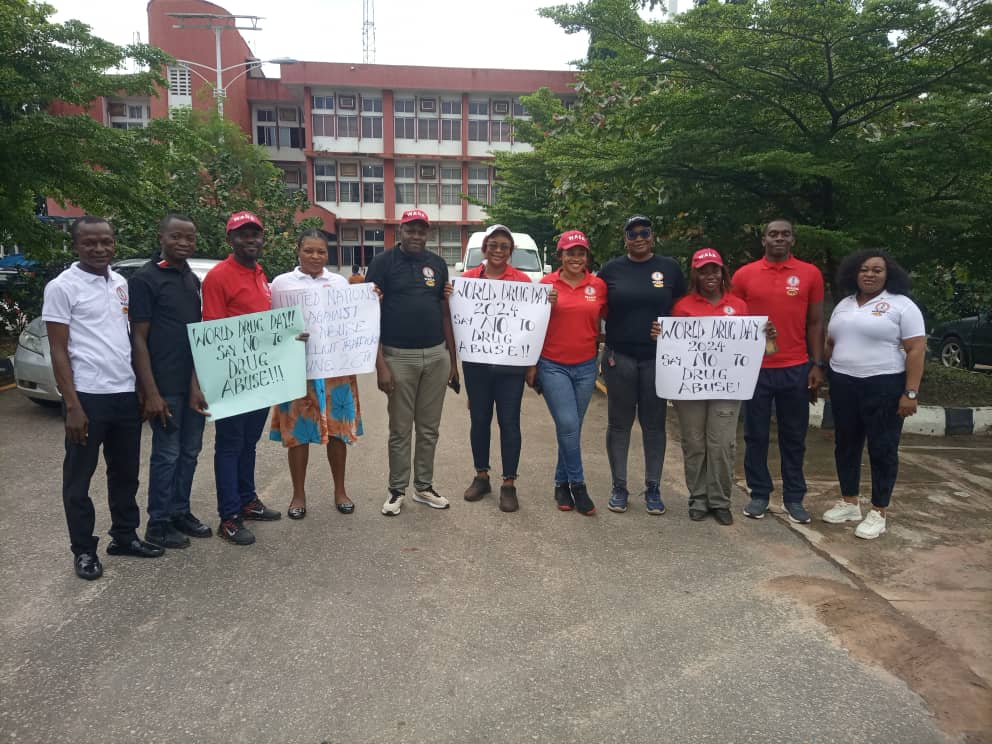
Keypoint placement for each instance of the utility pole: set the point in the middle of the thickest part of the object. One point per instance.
(217, 23)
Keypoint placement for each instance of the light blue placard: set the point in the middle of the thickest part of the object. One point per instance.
(249, 361)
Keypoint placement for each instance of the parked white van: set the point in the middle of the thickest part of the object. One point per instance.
(525, 257)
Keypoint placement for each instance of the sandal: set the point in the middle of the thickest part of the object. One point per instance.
(296, 512)
(346, 508)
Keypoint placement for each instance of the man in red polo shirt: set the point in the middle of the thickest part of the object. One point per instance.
(237, 286)
(790, 293)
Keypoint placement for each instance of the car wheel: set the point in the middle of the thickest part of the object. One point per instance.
(952, 353)
(45, 403)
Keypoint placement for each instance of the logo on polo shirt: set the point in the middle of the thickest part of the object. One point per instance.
(429, 276)
(658, 279)
(728, 310)
(792, 286)
(880, 308)
(590, 294)
(122, 296)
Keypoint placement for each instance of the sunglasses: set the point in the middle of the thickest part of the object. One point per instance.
(635, 234)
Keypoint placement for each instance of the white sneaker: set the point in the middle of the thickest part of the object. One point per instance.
(842, 512)
(431, 497)
(393, 504)
(871, 526)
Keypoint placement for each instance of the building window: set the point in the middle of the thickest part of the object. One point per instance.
(136, 112)
(451, 243)
(479, 192)
(499, 131)
(427, 129)
(325, 185)
(179, 83)
(451, 173)
(451, 106)
(289, 114)
(265, 136)
(324, 103)
(372, 127)
(291, 137)
(405, 106)
(478, 108)
(478, 130)
(372, 104)
(427, 194)
(451, 193)
(405, 171)
(347, 126)
(323, 125)
(350, 192)
(325, 169)
(292, 179)
(478, 173)
(373, 193)
(405, 127)
(325, 191)
(519, 110)
(451, 129)
(265, 114)
(372, 171)
(405, 193)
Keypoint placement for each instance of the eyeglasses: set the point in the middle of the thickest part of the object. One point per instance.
(635, 234)
(490, 247)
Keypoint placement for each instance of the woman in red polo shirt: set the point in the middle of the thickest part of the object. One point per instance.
(566, 371)
(709, 427)
(498, 385)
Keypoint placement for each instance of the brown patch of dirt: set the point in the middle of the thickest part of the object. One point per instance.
(871, 630)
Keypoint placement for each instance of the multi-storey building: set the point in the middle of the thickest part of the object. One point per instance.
(365, 141)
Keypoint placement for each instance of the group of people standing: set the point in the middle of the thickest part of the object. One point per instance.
(121, 356)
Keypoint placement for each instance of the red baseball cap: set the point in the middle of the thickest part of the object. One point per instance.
(706, 256)
(240, 219)
(415, 215)
(572, 238)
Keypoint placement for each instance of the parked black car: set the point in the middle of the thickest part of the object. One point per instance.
(964, 342)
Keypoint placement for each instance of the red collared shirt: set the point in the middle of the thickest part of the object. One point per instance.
(511, 274)
(231, 289)
(783, 291)
(694, 305)
(573, 329)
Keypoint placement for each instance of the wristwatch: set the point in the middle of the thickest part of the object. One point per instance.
(821, 365)
(911, 394)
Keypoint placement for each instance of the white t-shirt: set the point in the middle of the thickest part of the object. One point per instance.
(867, 339)
(285, 286)
(95, 309)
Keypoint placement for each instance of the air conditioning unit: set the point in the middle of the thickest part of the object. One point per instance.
(346, 102)
(428, 104)
(348, 170)
(428, 173)
(501, 107)
(349, 234)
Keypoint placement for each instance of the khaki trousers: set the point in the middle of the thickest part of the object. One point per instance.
(421, 377)
(709, 442)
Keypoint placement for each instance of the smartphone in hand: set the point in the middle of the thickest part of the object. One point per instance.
(455, 385)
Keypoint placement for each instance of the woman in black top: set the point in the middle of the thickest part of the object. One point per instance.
(641, 287)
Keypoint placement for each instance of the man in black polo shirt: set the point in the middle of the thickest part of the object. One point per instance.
(416, 357)
(165, 296)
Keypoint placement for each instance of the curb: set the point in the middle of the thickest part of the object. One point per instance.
(933, 421)
(6, 371)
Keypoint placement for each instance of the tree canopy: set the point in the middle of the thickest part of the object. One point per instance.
(866, 122)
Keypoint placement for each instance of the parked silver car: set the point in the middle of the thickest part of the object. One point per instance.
(33, 371)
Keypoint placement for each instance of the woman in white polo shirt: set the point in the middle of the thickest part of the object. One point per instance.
(876, 347)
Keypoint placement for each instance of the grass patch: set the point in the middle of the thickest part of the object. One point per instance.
(943, 386)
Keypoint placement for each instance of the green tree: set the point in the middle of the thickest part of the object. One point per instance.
(204, 166)
(70, 158)
(865, 122)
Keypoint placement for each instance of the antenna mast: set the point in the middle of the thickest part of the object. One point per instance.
(368, 31)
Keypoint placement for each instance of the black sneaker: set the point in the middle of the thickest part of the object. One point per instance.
(259, 512)
(235, 532)
(580, 495)
(165, 535)
(563, 497)
(190, 525)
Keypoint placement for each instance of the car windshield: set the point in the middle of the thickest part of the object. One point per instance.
(523, 260)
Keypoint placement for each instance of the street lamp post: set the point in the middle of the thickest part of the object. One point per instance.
(220, 90)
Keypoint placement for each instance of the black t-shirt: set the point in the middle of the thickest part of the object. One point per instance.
(167, 299)
(636, 294)
(412, 287)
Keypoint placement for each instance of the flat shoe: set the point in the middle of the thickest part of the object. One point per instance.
(296, 512)
(346, 508)
(697, 515)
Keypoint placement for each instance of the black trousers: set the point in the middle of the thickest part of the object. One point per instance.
(114, 424)
(867, 409)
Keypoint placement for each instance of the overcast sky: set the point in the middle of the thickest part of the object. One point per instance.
(449, 33)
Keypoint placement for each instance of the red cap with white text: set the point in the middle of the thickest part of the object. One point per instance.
(706, 256)
(240, 219)
(415, 215)
(572, 238)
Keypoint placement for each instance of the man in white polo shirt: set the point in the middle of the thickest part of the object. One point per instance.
(85, 312)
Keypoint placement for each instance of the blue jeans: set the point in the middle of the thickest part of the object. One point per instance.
(786, 386)
(234, 460)
(486, 387)
(567, 389)
(173, 460)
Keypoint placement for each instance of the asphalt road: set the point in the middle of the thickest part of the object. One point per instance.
(465, 625)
